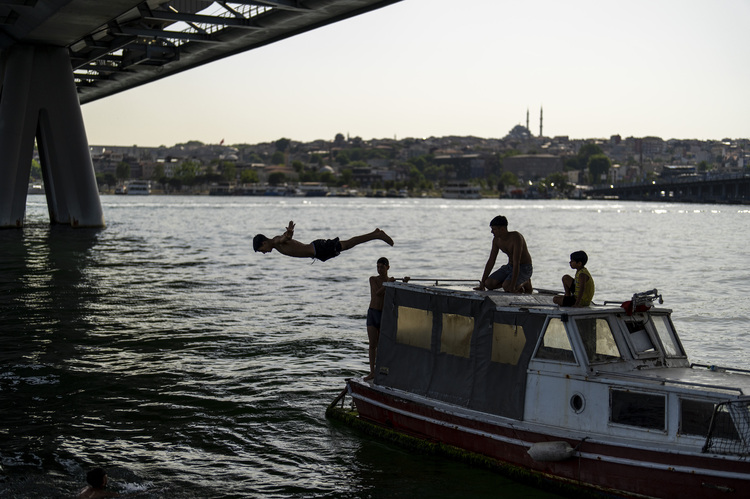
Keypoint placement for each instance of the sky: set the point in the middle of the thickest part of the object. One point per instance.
(421, 68)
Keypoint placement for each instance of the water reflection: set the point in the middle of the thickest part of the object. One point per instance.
(43, 319)
(163, 349)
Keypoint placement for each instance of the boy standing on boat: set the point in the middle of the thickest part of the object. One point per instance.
(514, 276)
(375, 312)
(579, 290)
(322, 249)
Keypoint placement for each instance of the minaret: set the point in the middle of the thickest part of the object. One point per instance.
(527, 120)
(541, 119)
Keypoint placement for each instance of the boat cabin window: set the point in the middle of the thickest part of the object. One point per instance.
(456, 336)
(639, 337)
(598, 340)
(666, 334)
(555, 343)
(643, 410)
(695, 419)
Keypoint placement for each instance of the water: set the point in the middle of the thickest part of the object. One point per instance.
(163, 349)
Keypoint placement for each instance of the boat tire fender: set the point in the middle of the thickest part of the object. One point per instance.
(551, 451)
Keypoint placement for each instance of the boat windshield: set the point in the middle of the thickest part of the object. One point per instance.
(555, 344)
(598, 340)
(665, 332)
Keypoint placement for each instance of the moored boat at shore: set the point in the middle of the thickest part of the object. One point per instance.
(461, 190)
(602, 399)
(139, 187)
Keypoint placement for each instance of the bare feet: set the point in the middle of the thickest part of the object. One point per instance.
(380, 234)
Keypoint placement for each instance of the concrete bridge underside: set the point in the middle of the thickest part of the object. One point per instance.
(58, 54)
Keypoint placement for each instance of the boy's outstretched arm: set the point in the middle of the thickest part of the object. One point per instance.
(289, 234)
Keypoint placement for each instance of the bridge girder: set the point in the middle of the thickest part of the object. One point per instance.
(116, 45)
(58, 54)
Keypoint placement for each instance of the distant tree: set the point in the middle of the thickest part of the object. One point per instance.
(186, 172)
(585, 152)
(253, 157)
(282, 145)
(342, 158)
(327, 177)
(317, 158)
(416, 177)
(298, 166)
(703, 166)
(278, 158)
(557, 181)
(191, 144)
(158, 171)
(122, 171)
(277, 178)
(36, 170)
(434, 172)
(346, 177)
(598, 165)
(419, 163)
(249, 176)
(228, 171)
(309, 176)
(507, 179)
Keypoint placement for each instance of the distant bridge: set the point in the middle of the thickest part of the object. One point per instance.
(58, 54)
(705, 188)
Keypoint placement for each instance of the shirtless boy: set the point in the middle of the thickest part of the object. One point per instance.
(515, 276)
(322, 249)
(375, 312)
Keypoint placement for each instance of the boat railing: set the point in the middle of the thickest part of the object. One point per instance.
(437, 281)
(645, 298)
(722, 369)
(666, 381)
(729, 430)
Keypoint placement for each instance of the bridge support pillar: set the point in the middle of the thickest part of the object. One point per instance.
(38, 100)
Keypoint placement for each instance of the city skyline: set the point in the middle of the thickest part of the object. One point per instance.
(418, 69)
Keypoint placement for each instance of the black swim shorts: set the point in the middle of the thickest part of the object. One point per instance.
(325, 249)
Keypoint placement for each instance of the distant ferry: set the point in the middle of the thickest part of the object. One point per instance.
(461, 190)
(141, 187)
(35, 189)
(313, 189)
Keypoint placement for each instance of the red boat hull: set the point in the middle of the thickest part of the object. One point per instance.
(626, 471)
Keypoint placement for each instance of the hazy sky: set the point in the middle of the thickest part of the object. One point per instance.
(420, 68)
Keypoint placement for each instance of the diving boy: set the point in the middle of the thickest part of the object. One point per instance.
(321, 249)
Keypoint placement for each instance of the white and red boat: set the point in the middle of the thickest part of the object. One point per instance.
(602, 399)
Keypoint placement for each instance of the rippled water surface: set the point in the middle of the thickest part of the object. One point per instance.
(163, 349)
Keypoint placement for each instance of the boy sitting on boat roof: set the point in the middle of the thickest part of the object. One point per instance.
(322, 249)
(579, 290)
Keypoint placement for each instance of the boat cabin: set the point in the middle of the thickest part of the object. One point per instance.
(615, 369)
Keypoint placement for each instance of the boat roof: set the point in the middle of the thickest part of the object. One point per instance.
(734, 382)
(540, 301)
